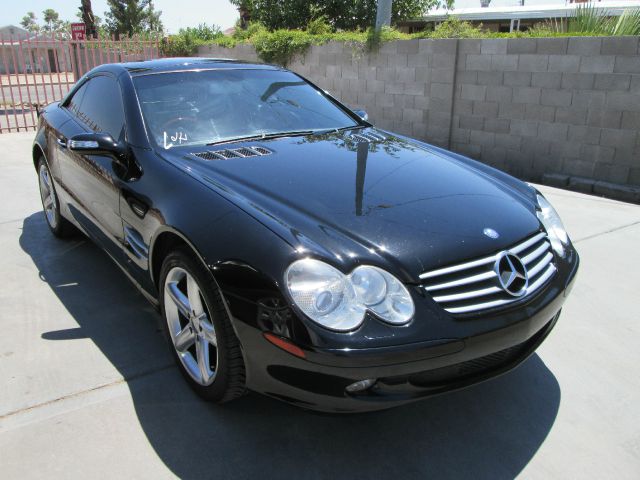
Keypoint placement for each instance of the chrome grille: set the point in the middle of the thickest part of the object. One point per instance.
(473, 286)
(233, 153)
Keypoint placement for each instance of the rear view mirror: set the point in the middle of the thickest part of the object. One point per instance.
(95, 144)
(362, 114)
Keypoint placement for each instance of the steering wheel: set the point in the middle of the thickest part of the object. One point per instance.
(225, 117)
(168, 125)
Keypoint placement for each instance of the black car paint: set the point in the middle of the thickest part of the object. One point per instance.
(247, 219)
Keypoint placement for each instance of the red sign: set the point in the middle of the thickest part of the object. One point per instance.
(78, 31)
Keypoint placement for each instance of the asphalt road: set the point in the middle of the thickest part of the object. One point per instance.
(88, 388)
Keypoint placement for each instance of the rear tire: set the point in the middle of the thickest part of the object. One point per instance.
(59, 226)
(198, 329)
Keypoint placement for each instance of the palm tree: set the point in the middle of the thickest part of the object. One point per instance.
(89, 19)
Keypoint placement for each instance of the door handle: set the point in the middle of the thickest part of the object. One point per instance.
(62, 142)
(139, 208)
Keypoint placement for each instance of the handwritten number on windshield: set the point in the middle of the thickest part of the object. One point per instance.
(170, 140)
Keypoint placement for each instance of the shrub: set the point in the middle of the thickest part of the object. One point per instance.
(187, 40)
(374, 38)
(282, 45)
(591, 20)
(252, 29)
(627, 24)
(453, 27)
(319, 26)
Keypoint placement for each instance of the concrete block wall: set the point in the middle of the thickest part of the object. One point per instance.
(530, 106)
(533, 106)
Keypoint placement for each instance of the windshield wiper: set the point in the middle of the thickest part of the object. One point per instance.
(267, 136)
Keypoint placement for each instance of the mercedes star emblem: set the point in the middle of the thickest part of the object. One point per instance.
(512, 274)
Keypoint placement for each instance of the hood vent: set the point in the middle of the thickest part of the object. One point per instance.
(233, 153)
(370, 136)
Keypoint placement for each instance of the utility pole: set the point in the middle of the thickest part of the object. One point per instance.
(383, 14)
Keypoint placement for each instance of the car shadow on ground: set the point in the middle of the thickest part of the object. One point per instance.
(490, 430)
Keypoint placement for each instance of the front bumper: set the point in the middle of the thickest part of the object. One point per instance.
(408, 372)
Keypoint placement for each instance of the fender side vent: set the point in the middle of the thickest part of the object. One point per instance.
(233, 153)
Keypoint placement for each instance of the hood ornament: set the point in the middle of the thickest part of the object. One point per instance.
(491, 233)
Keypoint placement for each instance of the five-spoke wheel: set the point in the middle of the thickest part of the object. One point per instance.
(193, 334)
(48, 195)
(58, 225)
(198, 328)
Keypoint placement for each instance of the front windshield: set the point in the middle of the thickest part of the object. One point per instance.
(200, 107)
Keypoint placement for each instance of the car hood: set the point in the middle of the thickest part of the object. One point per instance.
(390, 201)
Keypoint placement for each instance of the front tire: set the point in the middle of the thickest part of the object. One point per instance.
(58, 225)
(198, 329)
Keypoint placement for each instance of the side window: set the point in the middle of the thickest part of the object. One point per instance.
(76, 100)
(101, 107)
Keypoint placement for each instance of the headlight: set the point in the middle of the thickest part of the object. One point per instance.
(553, 225)
(339, 302)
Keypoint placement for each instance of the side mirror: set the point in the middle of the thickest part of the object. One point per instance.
(96, 144)
(362, 114)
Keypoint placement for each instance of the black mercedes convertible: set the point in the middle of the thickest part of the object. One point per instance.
(294, 249)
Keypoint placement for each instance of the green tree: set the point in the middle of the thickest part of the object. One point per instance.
(154, 24)
(340, 14)
(30, 22)
(52, 22)
(131, 17)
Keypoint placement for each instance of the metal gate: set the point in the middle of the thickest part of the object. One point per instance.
(36, 70)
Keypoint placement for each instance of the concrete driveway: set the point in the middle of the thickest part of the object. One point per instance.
(88, 388)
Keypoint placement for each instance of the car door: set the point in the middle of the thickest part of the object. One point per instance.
(93, 183)
(57, 133)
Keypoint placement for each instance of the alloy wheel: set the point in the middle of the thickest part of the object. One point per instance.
(192, 332)
(48, 196)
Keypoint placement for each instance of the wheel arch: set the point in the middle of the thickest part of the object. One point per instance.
(37, 152)
(166, 241)
(39, 147)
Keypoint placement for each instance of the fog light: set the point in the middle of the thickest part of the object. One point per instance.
(361, 385)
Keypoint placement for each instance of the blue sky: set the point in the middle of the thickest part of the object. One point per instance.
(175, 13)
